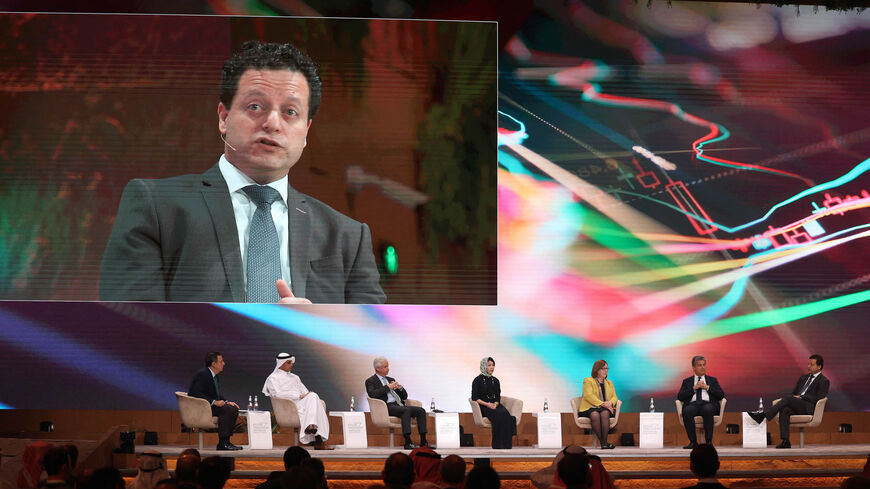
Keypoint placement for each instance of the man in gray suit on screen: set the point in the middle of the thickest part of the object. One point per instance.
(239, 232)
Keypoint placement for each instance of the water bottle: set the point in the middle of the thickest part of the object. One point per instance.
(652, 405)
(250, 403)
(432, 405)
(760, 404)
(546, 406)
(351, 403)
(256, 404)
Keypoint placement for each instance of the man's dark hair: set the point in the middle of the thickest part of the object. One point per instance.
(54, 460)
(186, 467)
(213, 472)
(572, 469)
(698, 358)
(819, 360)
(191, 451)
(105, 478)
(316, 465)
(398, 470)
(453, 470)
(294, 455)
(256, 55)
(300, 477)
(211, 357)
(704, 460)
(482, 478)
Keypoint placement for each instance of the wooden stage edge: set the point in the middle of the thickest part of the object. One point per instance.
(526, 453)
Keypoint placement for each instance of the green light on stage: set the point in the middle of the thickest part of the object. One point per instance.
(391, 260)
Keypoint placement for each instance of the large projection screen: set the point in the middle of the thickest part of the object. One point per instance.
(672, 181)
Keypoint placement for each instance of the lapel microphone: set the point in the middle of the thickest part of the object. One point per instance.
(224, 138)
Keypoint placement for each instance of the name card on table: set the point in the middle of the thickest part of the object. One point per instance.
(754, 434)
(259, 430)
(652, 430)
(549, 430)
(447, 429)
(353, 427)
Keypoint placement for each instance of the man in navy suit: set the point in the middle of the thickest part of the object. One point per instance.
(206, 385)
(806, 393)
(700, 395)
(380, 386)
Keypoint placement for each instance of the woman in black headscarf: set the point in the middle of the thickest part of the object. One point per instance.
(486, 391)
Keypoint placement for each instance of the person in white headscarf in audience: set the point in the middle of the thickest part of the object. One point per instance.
(152, 469)
(312, 415)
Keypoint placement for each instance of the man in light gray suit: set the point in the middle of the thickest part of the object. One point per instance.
(210, 237)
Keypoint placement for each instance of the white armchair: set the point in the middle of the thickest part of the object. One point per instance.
(195, 413)
(585, 423)
(287, 415)
(802, 421)
(381, 416)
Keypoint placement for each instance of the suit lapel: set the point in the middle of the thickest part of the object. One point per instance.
(299, 217)
(220, 208)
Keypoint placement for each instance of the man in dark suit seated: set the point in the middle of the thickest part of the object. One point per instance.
(806, 393)
(380, 386)
(240, 232)
(700, 395)
(206, 385)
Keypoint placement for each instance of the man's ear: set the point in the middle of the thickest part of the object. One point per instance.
(223, 112)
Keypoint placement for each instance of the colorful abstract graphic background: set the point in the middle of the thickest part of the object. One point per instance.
(672, 181)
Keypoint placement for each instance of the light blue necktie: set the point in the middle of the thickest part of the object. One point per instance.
(264, 255)
(395, 395)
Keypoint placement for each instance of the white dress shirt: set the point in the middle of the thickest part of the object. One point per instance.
(704, 395)
(244, 208)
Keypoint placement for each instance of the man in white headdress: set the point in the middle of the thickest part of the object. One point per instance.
(312, 416)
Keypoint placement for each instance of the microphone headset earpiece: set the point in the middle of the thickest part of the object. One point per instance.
(224, 138)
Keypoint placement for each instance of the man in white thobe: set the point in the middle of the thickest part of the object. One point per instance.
(312, 416)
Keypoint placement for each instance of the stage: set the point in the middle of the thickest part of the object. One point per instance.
(829, 456)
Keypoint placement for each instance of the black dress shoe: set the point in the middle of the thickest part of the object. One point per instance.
(784, 444)
(692, 445)
(319, 444)
(410, 446)
(608, 446)
(227, 446)
(757, 416)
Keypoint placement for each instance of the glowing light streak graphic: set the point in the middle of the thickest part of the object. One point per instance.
(658, 160)
(5, 406)
(764, 319)
(507, 136)
(659, 300)
(690, 323)
(53, 346)
(854, 173)
(337, 333)
(577, 115)
(686, 201)
(717, 133)
(663, 337)
(621, 214)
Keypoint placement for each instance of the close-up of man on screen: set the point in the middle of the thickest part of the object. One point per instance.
(239, 232)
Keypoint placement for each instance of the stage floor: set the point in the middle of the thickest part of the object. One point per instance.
(526, 453)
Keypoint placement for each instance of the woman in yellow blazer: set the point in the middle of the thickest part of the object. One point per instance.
(598, 402)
